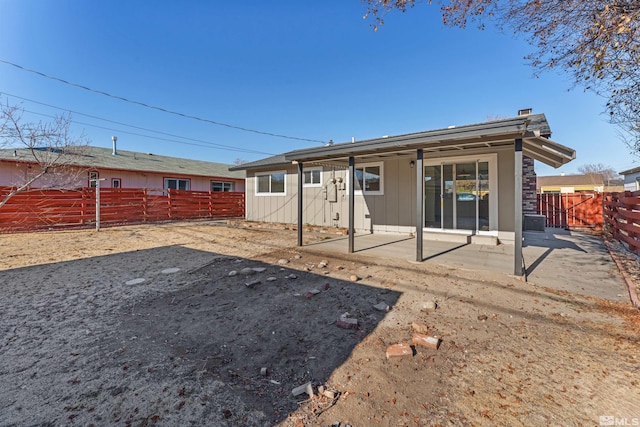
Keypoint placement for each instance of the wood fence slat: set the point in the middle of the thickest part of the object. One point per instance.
(44, 209)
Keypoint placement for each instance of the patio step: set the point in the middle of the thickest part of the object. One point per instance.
(462, 238)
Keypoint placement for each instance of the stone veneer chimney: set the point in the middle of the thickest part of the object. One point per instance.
(529, 197)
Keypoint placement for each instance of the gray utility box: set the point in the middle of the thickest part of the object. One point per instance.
(534, 222)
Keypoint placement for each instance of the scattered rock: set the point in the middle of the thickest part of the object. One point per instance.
(252, 283)
(135, 281)
(292, 276)
(382, 306)
(354, 278)
(329, 394)
(298, 256)
(346, 322)
(247, 271)
(426, 341)
(304, 388)
(430, 305)
(419, 328)
(399, 350)
(483, 317)
(170, 270)
(326, 287)
(233, 273)
(271, 279)
(322, 264)
(258, 269)
(264, 372)
(283, 261)
(311, 293)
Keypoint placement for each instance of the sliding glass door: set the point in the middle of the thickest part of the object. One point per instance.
(457, 196)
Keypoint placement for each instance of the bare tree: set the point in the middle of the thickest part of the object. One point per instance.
(47, 149)
(239, 161)
(607, 172)
(596, 42)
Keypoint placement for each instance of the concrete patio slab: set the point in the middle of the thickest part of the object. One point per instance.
(571, 261)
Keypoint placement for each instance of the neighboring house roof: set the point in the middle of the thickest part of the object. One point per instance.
(595, 179)
(630, 171)
(102, 158)
(269, 162)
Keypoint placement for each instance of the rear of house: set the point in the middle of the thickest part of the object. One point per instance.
(463, 181)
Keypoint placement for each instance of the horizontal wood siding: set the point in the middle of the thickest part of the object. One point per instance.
(46, 209)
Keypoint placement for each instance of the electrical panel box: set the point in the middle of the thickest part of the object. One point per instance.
(332, 192)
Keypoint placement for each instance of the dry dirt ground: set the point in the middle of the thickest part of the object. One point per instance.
(84, 343)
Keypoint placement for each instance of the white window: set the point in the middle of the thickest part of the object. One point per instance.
(272, 183)
(177, 184)
(116, 183)
(369, 179)
(93, 179)
(221, 186)
(312, 177)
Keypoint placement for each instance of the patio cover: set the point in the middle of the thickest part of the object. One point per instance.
(527, 134)
(532, 129)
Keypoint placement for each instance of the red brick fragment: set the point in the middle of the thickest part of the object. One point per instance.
(399, 350)
(426, 340)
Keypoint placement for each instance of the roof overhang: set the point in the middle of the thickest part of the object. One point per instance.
(455, 141)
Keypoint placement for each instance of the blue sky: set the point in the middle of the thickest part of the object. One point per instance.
(309, 70)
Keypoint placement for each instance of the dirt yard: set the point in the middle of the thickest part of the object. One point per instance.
(204, 323)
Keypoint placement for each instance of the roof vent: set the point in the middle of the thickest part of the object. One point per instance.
(525, 111)
(114, 139)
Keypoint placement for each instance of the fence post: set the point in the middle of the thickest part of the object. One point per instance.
(97, 205)
(145, 212)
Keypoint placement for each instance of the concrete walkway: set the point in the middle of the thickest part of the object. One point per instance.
(571, 261)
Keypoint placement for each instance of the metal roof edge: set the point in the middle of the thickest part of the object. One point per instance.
(517, 124)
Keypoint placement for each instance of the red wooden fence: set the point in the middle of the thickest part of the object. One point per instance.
(622, 216)
(53, 209)
(571, 210)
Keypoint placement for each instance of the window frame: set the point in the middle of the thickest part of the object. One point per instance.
(270, 175)
(363, 167)
(311, 170)
(94, 177)
(224, 184)
(114, 180)
(188, 181)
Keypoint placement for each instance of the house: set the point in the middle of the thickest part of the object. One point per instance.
(631, 179)
(458, 181)
(125, 169)
(590, 183)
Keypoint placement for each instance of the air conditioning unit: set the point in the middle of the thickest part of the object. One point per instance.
(534, 222)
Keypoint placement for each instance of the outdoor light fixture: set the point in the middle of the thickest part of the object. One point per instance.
(412, 163)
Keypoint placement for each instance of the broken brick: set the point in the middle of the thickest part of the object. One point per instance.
(346, 322)
(399, 350)
(426, 340)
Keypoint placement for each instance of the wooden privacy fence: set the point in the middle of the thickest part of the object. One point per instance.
(622, 216)
(47, 209)
(571, 210)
